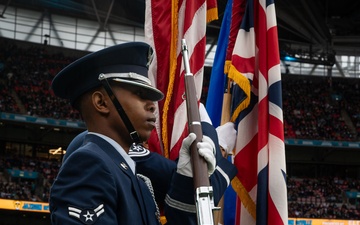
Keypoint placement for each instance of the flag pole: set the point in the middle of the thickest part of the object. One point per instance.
(226, 106)
(225, 117)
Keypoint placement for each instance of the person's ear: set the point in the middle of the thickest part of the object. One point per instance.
(100, 102)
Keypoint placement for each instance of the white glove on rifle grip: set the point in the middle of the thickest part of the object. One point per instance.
(206, 149)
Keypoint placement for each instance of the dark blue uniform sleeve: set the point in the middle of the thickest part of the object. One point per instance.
(225, 170)
(75, 144)
(180, 201)
(83, 192)
(178, 191)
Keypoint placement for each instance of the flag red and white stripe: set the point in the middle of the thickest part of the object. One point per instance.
(260, 149)
(166, 23)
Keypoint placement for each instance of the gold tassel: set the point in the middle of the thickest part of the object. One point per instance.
(244, 84)
(244, 196)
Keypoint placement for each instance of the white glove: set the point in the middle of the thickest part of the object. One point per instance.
(184, 164)
(206, 149)
(227, 136)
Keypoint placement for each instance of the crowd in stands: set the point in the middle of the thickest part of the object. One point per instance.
(349, 90)
(7, 102)
(21, 188)
(323, 197)
(315, 109)
(27, 72)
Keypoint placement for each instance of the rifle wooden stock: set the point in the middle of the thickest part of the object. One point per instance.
(198, 163)
(203, 191)
(199, 166)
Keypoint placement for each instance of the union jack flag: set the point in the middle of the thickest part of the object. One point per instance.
(166, 23)
(260, 150)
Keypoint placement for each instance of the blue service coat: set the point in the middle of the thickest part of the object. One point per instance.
(132, 205)
(96, 186)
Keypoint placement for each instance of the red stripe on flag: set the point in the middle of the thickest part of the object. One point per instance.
(246, 162)
(273, 213)
(238, 10)
(273, 58)
(261, 38)
(243, 64)
(276, 127)
(169, 22)
(191, 8)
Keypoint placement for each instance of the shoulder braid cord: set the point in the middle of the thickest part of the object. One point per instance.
(147, 181)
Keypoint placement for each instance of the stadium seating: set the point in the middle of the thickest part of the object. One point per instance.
(315, 108)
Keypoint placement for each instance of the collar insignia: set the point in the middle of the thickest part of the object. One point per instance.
(124, 166)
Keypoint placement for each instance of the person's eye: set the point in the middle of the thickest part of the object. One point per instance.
(140, 93)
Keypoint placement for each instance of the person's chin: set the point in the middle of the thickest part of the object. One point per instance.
(145, 135)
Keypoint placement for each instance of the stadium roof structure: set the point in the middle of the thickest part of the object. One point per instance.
(316, 37)
(310, 27)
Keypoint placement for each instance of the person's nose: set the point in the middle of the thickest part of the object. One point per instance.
(151, 106)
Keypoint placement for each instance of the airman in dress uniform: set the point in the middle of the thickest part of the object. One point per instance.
(99, 183)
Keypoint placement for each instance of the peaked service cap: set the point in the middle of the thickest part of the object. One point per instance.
(127, 63)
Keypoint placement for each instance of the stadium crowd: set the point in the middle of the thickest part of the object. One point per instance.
(26, 74)
(323, 197)
(23, 188)
(318, 109)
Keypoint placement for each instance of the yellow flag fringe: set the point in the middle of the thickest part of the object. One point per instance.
(244, 84)
(172, 70)
(211, 15)
(244, 196)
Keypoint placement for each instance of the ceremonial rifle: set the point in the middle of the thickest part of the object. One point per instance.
(203, 191)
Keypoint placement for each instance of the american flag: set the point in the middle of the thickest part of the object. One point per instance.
(260, 149)
(166, 23)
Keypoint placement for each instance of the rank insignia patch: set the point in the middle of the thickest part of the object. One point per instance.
(86, 216)
(138, 151)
